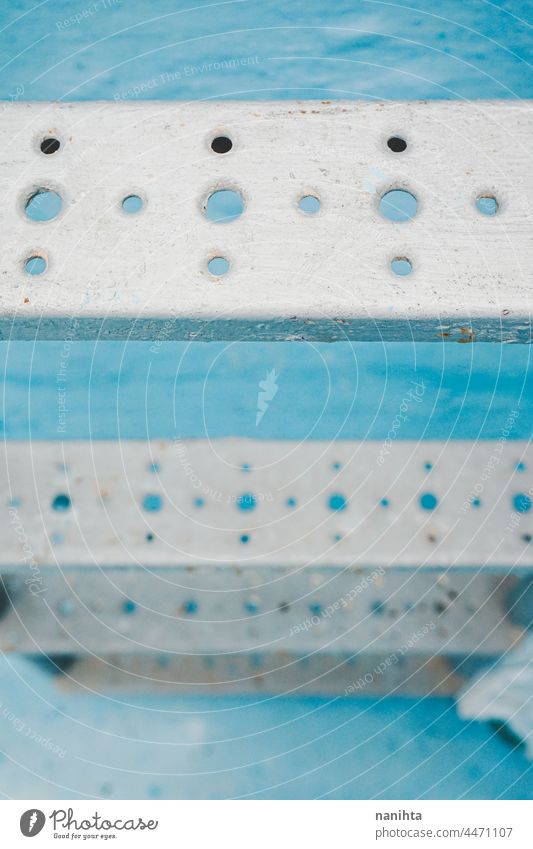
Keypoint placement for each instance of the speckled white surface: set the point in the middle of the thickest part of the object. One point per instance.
(291, 275)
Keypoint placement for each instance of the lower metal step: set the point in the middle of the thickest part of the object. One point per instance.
(276, 673)
(231, 609)
(174, 554)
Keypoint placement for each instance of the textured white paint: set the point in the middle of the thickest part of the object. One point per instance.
(291, 523)
(107, 577)
(292, 276)
(209, 610)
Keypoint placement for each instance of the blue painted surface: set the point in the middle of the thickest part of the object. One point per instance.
(305, 48)
(138, 390)
(184, 747)
(243, 747)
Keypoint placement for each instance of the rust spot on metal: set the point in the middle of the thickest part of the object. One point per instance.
(467, 337)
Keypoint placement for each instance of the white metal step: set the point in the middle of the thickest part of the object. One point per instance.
(180, 549)
(183, 612)
(292, 274)
(252, 503)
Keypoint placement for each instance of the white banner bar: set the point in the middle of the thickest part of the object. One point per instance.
(244, 824)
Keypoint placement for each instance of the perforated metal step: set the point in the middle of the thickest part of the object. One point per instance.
(265, 566)
(137, 247)
(227, 609)
(256, 503)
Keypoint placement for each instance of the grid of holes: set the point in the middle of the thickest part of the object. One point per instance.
(248, 503)
(313, 604)
(314, 612)
(315, 609)
(224, 205)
